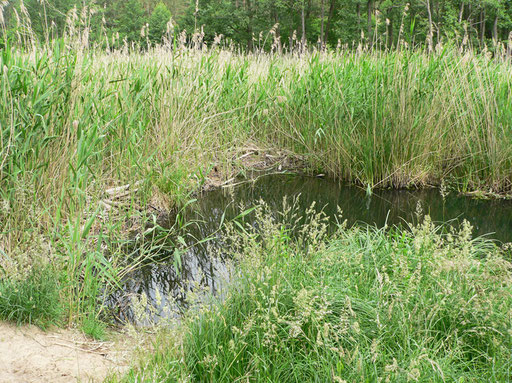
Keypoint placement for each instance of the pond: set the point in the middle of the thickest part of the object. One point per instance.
(492, 218)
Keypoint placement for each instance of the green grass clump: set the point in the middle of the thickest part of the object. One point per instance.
(93, 327)
(33, 299)
(362, 306)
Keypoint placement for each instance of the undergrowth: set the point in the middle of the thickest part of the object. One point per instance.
(362, 305)
(33, 299)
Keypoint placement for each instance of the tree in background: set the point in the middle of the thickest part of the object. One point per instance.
(158, 22)
(273, 24)
(129, 17)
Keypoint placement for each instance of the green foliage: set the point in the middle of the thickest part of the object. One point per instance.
(381, 23)
(32, 299)
(362, 305)
(130, 18)
(158, 23)
(271, 24)
(77, 122)
(93, 327)
(46, 15)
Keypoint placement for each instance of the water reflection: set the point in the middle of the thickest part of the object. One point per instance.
(394, 207)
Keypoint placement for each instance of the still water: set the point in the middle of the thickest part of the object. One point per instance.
(492, 218)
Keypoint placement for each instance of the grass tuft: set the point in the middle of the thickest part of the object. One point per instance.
(34, 299)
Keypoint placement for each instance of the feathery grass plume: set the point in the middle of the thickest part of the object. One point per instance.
(358, 305)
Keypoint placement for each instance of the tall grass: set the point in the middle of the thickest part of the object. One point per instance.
(75, 122)
(361, 306)
(384, 119)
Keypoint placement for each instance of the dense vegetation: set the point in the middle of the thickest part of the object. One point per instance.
(102, 128)
(381, 119)
(76, 123)
(269, 24)
(360, 306)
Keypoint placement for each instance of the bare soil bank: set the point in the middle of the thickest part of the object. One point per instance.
(28, 354)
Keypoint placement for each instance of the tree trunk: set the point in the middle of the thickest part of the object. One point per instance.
(482, 26)
(308, 10)
(430, 27)
(358, 10)
(509, 46)
(329, 20)
(461, 12)
(439, 12)
(278, 31)
(322, 24)
(249, 25)
(495, 29)
(369, 16)
(389, 28)
(303, 21)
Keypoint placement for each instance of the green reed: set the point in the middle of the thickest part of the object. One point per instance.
(76, 121)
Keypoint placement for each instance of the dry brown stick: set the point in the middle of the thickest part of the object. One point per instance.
(120, 191)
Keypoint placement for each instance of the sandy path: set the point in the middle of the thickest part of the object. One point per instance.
(28, 354)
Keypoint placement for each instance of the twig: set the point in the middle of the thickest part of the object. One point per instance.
(121, 191)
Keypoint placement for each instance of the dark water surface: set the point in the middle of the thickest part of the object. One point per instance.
(492, 218)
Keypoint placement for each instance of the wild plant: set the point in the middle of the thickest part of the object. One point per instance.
(359, 305)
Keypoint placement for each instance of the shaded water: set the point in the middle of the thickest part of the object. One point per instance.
(492, 218)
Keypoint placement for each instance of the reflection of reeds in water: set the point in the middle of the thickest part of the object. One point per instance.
(76, 120)
(391, 207)
(352, 306)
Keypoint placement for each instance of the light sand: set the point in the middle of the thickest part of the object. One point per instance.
(27, 354)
